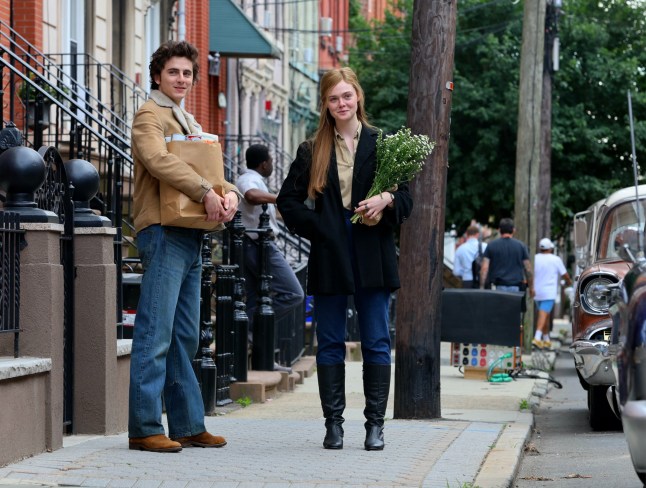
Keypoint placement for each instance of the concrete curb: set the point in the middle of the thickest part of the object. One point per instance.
(501, 464)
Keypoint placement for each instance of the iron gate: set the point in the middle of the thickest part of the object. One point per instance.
(56, 195)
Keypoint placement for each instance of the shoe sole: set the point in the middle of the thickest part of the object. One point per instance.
(374, 448)
(199, 444)
(142, 448)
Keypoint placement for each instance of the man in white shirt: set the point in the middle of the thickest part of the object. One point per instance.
(548, 270)
(286, 289)
(465, 254)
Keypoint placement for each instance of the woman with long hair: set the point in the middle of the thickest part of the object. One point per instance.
(327, 184)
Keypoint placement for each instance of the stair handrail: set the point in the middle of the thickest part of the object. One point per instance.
(54, 99)
(31, 64)
(113, 72)
(120, 75)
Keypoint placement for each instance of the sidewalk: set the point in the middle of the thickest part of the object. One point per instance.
(477, 443)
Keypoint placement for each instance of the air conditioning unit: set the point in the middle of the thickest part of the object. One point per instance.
(326, 26)
(339, 44)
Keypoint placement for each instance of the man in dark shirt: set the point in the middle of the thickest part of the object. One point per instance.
(506, 263)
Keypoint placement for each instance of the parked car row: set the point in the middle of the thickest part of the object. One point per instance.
(609, 316)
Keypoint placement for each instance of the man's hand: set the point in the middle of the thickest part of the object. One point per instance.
(230, 205)
(214, 206)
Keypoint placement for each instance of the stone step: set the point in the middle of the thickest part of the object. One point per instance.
(261, 385)
(305, 367)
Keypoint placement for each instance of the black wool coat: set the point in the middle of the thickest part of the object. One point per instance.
(329, 266)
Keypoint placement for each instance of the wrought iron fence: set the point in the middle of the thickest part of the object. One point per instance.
(55, 195)
(11, 242)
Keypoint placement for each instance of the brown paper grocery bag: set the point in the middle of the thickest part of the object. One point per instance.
(177, 209)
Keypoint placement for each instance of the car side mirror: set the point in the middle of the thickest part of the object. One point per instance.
(580, 233)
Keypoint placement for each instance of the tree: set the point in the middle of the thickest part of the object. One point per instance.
(483, 131)
(417, 358)
(381, 59)
(603, 54)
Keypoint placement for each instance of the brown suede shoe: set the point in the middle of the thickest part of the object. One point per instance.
(202, 440)
(154, 443)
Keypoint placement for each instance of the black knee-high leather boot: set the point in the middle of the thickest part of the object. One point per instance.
(376, 384)
(332, 392)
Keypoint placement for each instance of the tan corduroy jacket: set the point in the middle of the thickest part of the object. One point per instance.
(157, 118)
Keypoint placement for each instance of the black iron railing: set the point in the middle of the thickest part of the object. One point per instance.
(56, 195)
(84, 109)
(11, 241)
(234, 147)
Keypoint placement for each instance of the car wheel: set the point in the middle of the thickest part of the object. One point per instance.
(584, 384)
(642, 477)
(600, 414)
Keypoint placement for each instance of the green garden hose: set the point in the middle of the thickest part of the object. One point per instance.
(498, 377)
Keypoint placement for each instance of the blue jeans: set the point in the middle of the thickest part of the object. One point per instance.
(330, 312)
(287, 291)
(166, 335)
(372, 314)
(507, 288)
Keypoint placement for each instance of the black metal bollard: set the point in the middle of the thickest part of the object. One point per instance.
(225, 279)
(241, 332)
(236, 236)
(262, 354)
(203, 364)
(240, 319)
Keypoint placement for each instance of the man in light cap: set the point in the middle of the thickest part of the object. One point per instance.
(548, 269)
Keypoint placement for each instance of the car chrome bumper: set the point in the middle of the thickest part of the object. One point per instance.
(633, 416)
(593, 361)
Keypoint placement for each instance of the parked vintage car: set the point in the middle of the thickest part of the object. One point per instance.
(598, 233)
(628, 348)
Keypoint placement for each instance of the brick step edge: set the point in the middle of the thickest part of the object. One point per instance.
(261, 385)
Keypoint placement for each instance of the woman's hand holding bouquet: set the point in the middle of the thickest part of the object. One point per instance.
(400, 157)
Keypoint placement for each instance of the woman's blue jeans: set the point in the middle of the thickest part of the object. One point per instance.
(166, 334)
(330, 313)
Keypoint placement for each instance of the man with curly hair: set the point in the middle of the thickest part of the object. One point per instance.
(166, 332)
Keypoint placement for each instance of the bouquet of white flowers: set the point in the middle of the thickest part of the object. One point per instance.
(400, 157)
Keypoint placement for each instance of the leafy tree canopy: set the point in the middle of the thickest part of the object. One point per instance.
(603, 54)
(381, 59)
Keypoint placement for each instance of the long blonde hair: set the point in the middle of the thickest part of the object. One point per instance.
(323, 140)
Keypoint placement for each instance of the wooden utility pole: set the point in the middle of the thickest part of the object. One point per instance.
(528, 144)
(544, 210)
(417, 358)
(550, 65)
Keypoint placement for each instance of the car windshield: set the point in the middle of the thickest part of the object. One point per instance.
(621, 227)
